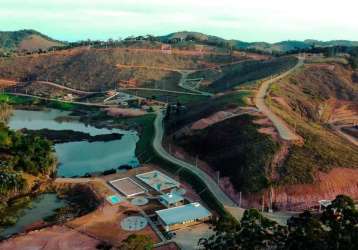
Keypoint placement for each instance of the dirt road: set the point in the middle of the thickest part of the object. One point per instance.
(284, 131)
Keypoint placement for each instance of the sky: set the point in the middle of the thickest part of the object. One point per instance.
(248, 20)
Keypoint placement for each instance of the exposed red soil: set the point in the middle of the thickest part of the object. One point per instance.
(121, 112)
(5, 83)
(104, 224)
(299, 197)
(53, 238)
(343, 111)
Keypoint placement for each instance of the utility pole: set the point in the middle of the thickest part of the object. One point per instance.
(263, 203)
(240, 199)
(270, 205)
(196, 161)
(218, 177)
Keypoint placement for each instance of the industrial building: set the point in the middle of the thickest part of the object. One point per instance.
(128, 187)
(171, 199)
(186, 215)
(158, 181)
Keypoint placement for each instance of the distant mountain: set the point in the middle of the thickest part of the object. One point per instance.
(283, 46)
(28, 40)
(32, 40)
(332, 43)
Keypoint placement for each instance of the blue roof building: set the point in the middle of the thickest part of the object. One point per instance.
(183, 216)
(171, 199)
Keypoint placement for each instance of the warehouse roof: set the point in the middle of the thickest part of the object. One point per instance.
(171, 198)
(189, 212)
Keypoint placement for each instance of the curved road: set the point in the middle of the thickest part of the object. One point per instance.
(284, 131)
(213, 187)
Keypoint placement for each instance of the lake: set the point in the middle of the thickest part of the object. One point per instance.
(42, 206)
(79, 158)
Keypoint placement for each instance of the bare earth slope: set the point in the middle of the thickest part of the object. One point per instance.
(96, 69)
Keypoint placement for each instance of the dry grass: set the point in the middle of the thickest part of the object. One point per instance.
(36, 42)
(308, 92)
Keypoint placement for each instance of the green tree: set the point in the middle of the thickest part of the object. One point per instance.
(335, 229)
(137, 242)
(5, 112)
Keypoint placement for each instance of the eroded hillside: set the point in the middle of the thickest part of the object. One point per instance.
(311, 100)
(100, 69)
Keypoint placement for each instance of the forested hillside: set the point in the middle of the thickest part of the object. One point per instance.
(21, 155)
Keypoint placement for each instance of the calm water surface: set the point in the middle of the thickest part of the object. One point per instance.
(41, 207)
(79, 158)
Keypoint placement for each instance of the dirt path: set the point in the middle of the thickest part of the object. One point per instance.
(348, 137)
(284, 131)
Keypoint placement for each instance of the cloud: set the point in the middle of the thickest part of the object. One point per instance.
(241, 19)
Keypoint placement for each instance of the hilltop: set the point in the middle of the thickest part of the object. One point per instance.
(279, 47)
(32, 40)
(28, 40)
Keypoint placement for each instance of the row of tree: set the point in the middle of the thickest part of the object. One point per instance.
(335, 228)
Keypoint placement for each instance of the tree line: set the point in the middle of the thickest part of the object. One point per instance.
(335, 228)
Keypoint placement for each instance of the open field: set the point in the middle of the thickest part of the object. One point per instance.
(57, 237)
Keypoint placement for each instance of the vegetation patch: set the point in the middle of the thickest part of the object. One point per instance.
(306, 93)
(334, 228)
(199, 110)
(250, 71)
(236, 149)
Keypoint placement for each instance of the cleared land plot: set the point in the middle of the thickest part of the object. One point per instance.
(57, 237)
(158, 180)
(128, 187)
(167, 96)
(104, 224)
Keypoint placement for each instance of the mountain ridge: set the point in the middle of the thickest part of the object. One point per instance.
(11, 40)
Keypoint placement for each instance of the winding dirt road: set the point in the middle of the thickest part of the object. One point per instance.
(284, 131)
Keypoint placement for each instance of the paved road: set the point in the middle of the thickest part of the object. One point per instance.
(284, 131)
(209, 182)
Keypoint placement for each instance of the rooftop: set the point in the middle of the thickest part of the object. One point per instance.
(183, 213)
(171, 198)
(158, 180)
(127, 186)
